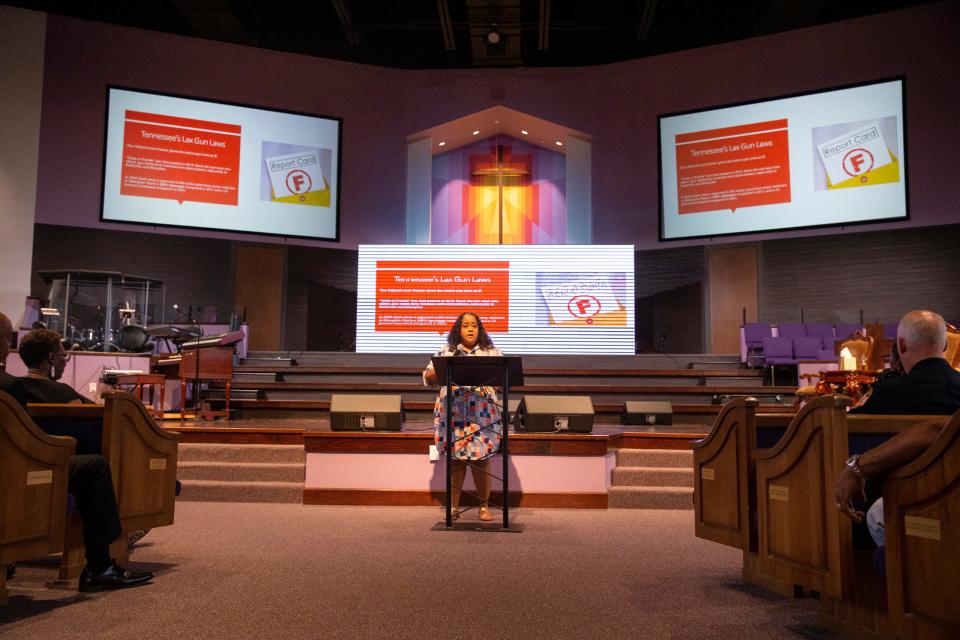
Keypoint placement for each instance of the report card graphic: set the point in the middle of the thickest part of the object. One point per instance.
(584, 302)
(859, 156)
(297, 178)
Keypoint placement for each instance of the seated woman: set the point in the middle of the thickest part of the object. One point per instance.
(476, 426)
(42, 351)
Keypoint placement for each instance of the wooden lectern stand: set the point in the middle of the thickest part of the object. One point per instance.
(492, 371)
(203, 365)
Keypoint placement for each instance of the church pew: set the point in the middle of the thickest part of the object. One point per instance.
(725, 491)
(921, 503)
(722, 469)
(725, 484)
(803, 537)
(143, 462)
(33, 488)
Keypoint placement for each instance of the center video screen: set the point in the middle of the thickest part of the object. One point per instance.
(184, 162)
(834, 157)
(562, 299)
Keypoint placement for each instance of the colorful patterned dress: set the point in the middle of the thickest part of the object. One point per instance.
(476, 413)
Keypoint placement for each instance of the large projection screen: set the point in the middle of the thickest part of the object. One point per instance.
(834, 157)
(182, 162)
(532, 299)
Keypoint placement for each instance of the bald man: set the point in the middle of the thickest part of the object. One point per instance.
(6, 339)
(930, 386)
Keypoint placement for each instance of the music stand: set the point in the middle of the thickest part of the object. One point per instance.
(502, 371)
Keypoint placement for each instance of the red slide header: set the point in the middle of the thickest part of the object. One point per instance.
(755, 127)
(175, 121)
(418, 265)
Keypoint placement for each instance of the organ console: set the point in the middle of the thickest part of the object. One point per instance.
(203, 359)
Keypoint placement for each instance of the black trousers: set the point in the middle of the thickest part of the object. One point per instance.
(91, 484)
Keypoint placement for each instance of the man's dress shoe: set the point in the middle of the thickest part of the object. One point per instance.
(115, 577)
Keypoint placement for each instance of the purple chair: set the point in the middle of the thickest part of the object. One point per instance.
(753, 335)
(755, 332)
(792, 330)
(777, 352)
(820, 330)
(828, 351)
(890, 330)
(808, 348)
(847, 329)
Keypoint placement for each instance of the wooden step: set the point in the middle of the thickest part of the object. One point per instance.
(268, 361)
(534, 389)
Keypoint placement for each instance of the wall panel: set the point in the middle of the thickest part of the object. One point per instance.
(884, 273)
(198, 272)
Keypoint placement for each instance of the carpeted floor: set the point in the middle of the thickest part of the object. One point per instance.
(233, 571)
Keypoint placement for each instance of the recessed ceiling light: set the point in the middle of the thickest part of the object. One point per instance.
(558, 143)
(477, 132)
(441, 144)
(524, 131)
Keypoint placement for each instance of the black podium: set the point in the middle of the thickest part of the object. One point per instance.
(467, 373)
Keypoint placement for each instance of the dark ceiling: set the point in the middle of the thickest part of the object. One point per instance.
(441, 34)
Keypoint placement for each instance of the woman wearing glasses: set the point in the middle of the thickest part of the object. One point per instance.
(43, 353)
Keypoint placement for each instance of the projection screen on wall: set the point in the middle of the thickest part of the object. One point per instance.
(834, 157)
(176, 161)
(531, 299)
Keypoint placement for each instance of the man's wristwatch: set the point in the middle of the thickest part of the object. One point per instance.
(853, 463)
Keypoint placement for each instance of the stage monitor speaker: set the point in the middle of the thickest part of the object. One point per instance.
(648, 412)
(350, 412)
(550, 414)
(514, 403)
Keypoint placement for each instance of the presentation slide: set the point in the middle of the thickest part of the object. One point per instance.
(531, 299)
(828, 158)
(209, 165)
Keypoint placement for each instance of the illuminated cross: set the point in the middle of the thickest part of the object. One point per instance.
(501, 173)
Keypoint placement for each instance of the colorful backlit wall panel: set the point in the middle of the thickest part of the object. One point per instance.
(469, 183)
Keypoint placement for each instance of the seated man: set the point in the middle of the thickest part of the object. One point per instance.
(928, 386)
(89, 478)
(43, 353)
(895, 452)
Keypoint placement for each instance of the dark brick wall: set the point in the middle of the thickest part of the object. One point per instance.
(196, 271)
(884, 273)
(665, 269)
(321, 308)
(669, 295)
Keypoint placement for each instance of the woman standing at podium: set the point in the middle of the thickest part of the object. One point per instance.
(476, 411)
